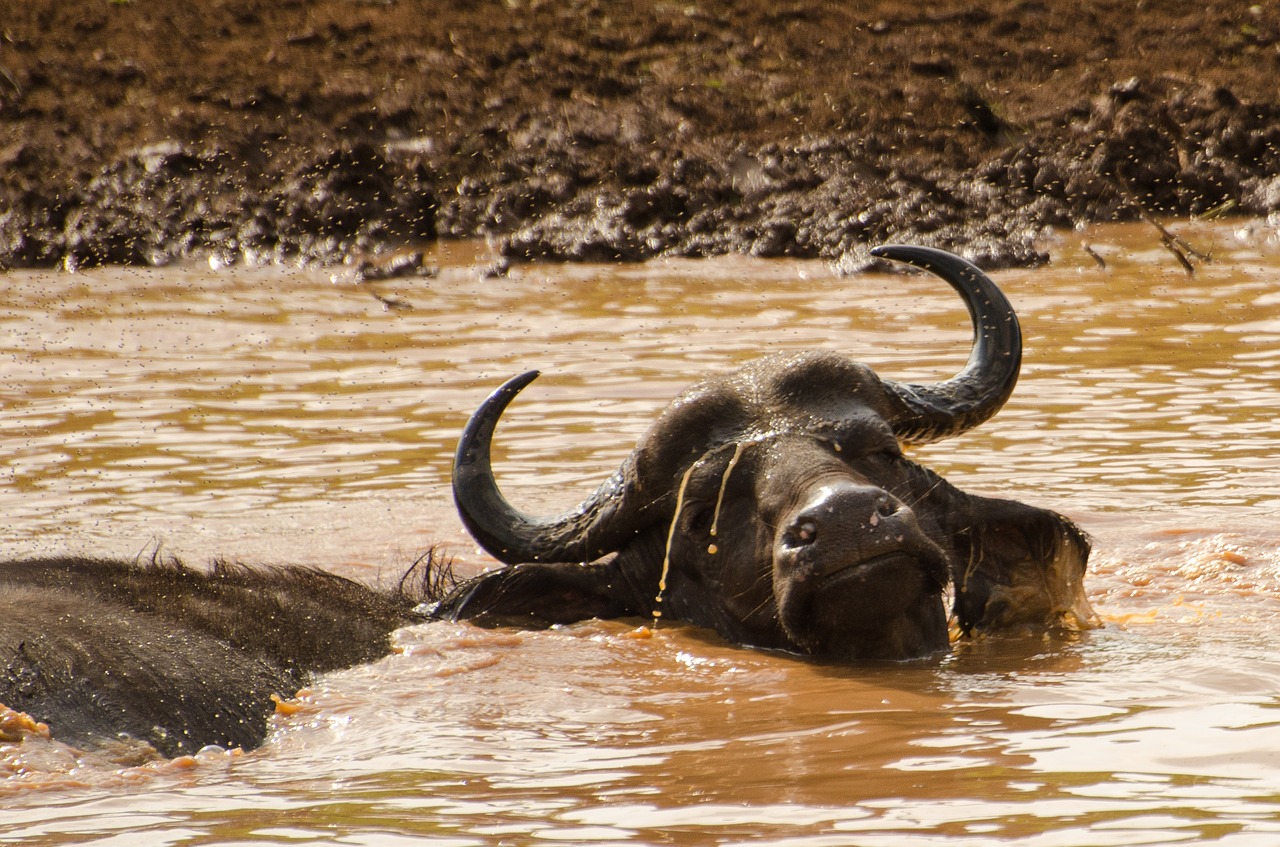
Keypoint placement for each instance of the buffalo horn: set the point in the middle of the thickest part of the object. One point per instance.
(941, 410)
(580, 535)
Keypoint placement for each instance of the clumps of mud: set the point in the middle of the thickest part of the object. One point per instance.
(1140, 147)
(1160, 146)
(171, 201)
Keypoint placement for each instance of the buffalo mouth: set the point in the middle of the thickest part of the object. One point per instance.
(886, 564)
(888, 606)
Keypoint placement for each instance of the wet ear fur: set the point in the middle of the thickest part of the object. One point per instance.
(1020, 567)
(539, 595)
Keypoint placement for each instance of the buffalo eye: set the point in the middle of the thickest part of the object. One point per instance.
(699, 521)
(887, 455)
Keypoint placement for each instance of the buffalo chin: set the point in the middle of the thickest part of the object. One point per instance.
(888, 608)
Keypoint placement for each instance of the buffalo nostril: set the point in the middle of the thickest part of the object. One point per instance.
(884, 508)
(804, 532)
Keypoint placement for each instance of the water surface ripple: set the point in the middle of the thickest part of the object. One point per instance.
(280, 416)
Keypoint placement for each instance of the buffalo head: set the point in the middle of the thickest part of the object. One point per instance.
(775, 505)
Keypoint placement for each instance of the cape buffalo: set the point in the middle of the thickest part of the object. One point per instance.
(176, 657)
(775, 506)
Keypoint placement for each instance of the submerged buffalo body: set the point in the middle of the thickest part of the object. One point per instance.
(179, 658)
(775, 506)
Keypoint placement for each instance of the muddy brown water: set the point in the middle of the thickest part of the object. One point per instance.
(279, 416)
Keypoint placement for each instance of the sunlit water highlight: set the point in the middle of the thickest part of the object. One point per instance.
(277, 416)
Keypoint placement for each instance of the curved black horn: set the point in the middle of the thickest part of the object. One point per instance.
(944, 409)
(579, 535)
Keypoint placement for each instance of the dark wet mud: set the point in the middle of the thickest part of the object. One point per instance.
(323, 131)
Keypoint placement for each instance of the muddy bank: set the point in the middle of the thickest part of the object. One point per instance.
(145, 131)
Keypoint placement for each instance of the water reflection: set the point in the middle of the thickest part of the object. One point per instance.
(279, 416)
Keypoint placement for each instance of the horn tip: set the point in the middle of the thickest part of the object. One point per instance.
(520, 381)
(911, 253)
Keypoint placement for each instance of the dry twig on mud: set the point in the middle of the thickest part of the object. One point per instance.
(1175, 244)
(1097, 257)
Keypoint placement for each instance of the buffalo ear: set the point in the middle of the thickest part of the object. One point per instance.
(1020, 567)
(539, 595)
